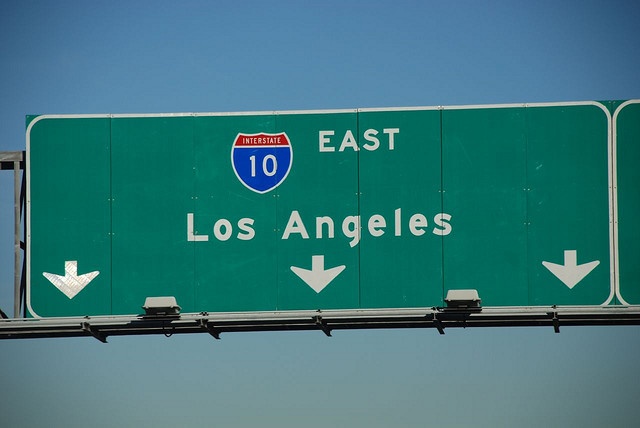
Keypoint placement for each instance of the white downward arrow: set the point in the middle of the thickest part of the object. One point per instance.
(318, 278)
(571, 272)
(71, 283)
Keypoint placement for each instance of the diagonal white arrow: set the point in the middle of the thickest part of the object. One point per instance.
(318, 278)
(71, 283)
(571, 273)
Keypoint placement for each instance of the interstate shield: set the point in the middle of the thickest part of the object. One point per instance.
(261, 161)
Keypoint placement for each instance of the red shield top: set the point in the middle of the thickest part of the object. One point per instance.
(262, 139)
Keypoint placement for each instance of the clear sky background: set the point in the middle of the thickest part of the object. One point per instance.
(216, 56)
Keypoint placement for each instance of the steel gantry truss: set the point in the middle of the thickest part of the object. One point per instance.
(215, 324)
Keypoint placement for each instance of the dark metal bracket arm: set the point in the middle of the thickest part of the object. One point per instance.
(437, 323)
(94, 332)
(322, 324)
(204, 323)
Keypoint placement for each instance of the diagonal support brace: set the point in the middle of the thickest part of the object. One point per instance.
(204, 323)
(438, 324)
(94, 332)
(556, 323)
(322, 324)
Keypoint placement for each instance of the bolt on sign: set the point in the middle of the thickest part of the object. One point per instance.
(529, 204)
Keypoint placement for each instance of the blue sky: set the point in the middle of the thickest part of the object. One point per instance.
(199, 56)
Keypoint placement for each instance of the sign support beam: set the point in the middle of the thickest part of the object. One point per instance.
(439, 318)
(15, 160)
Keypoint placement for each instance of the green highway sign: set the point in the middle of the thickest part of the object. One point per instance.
(626, 179)
(347, 209)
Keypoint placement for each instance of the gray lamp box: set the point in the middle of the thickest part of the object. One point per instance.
(161, 306)
(463, 299)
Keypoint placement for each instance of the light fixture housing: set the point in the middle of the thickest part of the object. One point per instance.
(463, 300)
(166, 305)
